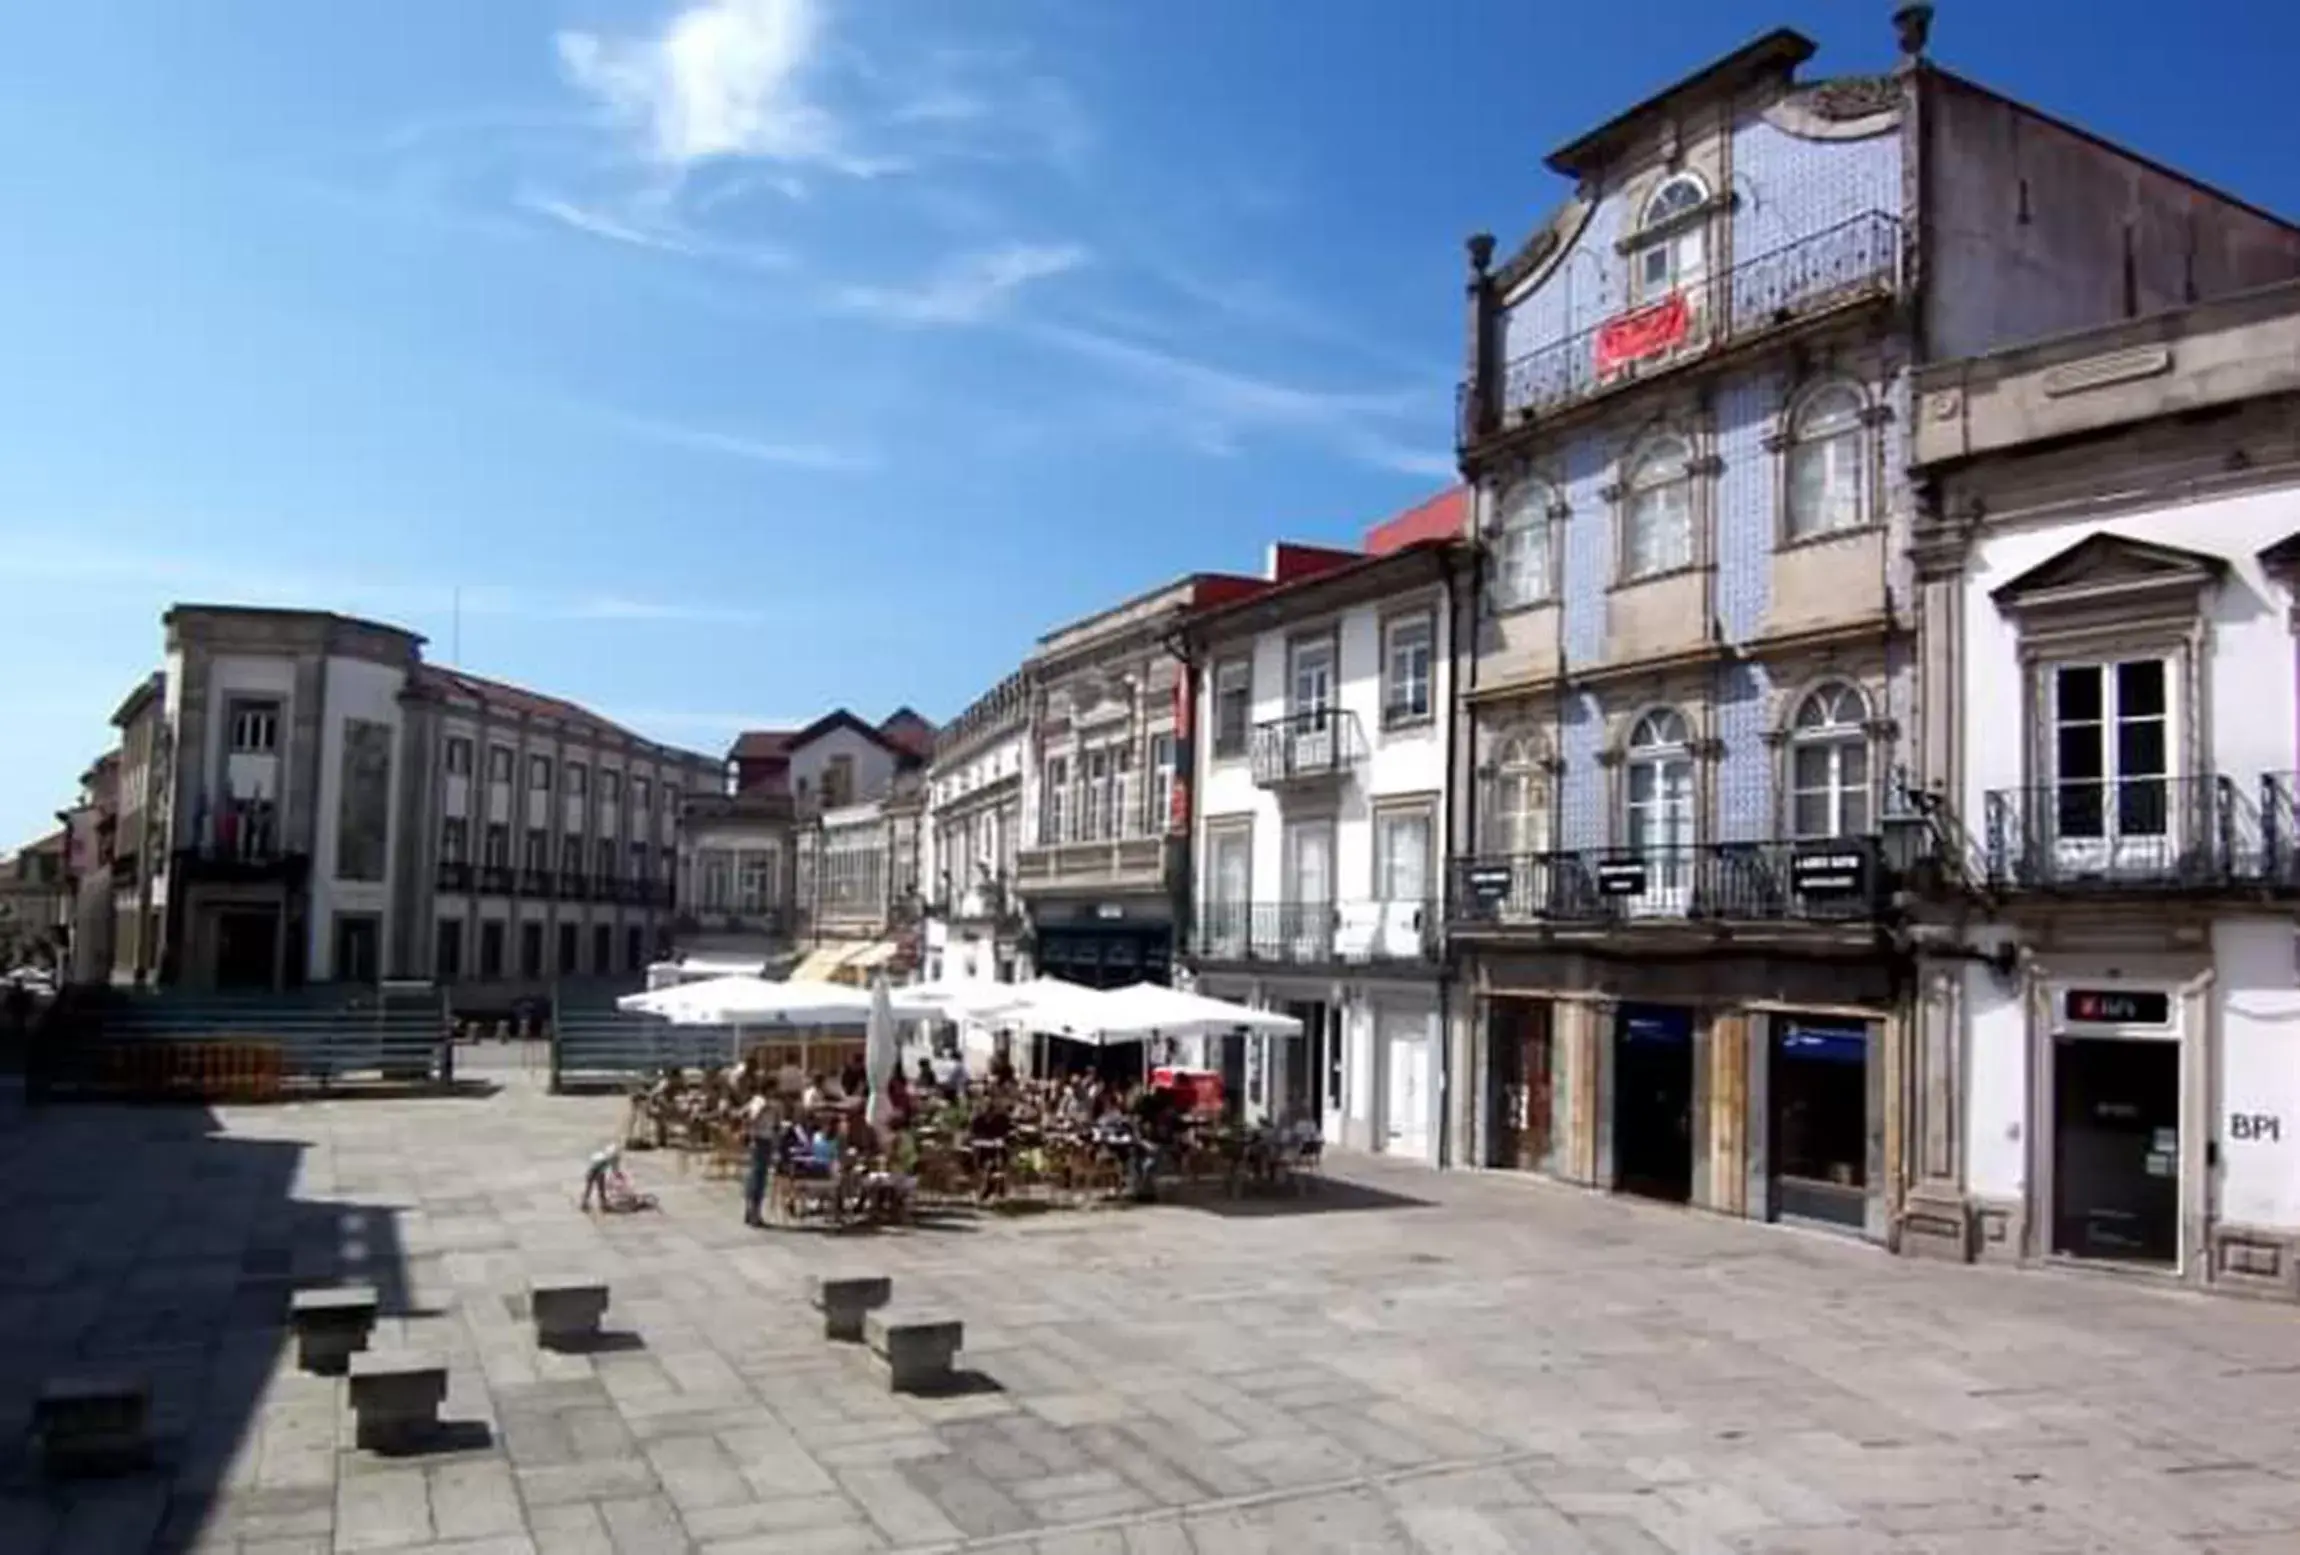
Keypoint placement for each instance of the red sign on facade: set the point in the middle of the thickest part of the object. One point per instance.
(1634, 336)
(1185, 743)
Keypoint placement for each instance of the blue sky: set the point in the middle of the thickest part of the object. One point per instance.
(740, 358)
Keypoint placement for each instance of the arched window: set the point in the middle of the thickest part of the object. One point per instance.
(1674, 258)
(1829, 764)
(1657, 509)
(1518, 801)
(1659, 811)
(1521, 550)
(1826, 491)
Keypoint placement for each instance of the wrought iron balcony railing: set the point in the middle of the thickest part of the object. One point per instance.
(496, 879)
(454, 875)
(1856, 259)
(536, 882)
(574, 885)
(2163, 834)
(1316, 933)
(1837, 880)
(1303, 747)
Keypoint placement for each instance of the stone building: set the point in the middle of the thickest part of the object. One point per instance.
(2108, 559)
(973, 837)
(1678, 901)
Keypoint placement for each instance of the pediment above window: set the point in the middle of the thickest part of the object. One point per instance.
(2112, 572)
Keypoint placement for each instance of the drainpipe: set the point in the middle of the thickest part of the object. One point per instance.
(1454, 614)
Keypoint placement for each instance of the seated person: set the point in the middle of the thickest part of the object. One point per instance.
(854, 1077)
(816, 1096)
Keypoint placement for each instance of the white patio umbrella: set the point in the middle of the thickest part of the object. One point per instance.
(881, 1054)
(756, 1001)
(1171, 1012)
(1052, 1007)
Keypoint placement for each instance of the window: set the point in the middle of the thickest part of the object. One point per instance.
(458, 756)
(498, 846)
(1231, 864)
(569, 946)
(670, 805)
(538, 849)
(1122, 810)
(499, 763)
(605, 853)
(754, 880)
(1518, 819)
(642, 795)
(447, 958)
(571, 855)
(1054, 800)
(491, 948)
(638, 861)
(1658, 808)
(1675, 258)
(610, 788)
(578, 780)
(839, 782)
(255, 728)
(1823, 473)
(1233, 706)
(634, 951)
(531, 950)
(1097, 796)
(1657, 510)
(1406, 688)
(1310, 689)
(1521, 546)
(1161, 810)
(539, 774)
(1402, 856)
(715, 879)
(454, 840)
(1829, 765)
(2111, 759)
(602, 949)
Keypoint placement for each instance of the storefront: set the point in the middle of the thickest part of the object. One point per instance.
(1105, 944)
(2113, 1065)
(1653, 1101)
(1817, 1139)
(1521, 1086)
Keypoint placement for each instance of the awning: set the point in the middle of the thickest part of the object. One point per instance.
(820, 963)
(858, 965)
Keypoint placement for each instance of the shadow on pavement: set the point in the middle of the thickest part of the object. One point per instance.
(145, 1240)
(1313, 1195)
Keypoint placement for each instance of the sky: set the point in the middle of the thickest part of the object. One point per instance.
(714, 363)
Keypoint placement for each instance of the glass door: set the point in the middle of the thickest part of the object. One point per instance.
(2112, 749)
(1229, 911)
(1659, 815)
(1309, 909)
(1310, 701)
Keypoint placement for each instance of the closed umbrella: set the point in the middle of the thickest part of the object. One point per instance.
(881, 1054)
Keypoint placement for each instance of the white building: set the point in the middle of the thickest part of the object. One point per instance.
(300, 798)
(970, 839)
(1322, 769)
(2106, 1030)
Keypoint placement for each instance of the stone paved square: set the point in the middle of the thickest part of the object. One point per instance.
(1454, 1364)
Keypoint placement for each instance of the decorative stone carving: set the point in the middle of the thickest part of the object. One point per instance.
(1480, 247)
(1853, 97)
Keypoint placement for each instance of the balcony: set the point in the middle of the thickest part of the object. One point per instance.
(772, 922)
(1820, 882)
(1105, 862)
(452, 875)
(2163, 836)
(1854, 261)
(536, 882)
(1315, 933)
(246, 861)
(1306, 749)
(574, 885)
(496, 879)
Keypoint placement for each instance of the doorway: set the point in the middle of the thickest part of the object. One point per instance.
(247, 947)
(1653, 1101)
(1314, 1067)
(1818, 1138)
(358, 944)
(1406, 1101)
(1523, 1086)
(2116, 1149)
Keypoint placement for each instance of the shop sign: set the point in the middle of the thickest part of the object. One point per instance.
(1656, 1023)
(1621, 877)
(1109, 910)
(1489, 883)
(2265, 1127)
(1830, 872)
(2117, 1006)
(1837, 1044)
(1632, 337)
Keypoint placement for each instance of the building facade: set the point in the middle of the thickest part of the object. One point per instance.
(36, 903)
(973, 839)
(1679, 898)
(2108, 998)
(1103, 867)
(299, 798)
(1322, 768)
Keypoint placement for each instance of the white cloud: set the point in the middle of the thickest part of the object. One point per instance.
(967, 289)
(222, 579)
(1215, 409)
(826, 457)
(724, 78)
(602, 224)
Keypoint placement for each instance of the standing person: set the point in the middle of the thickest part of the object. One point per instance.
(760, 1127)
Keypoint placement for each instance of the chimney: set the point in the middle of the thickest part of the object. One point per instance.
(1480, 407)
(1913, 24)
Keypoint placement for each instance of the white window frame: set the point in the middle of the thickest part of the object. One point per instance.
(1388, 820)
(1161, 810)
(1835, 739)
(1397, 634)
(255, 728)
(1232, 677)
(1664, 828)
(1683, 251)
(1523, 546)
(577, 778)
(457, 756)
(2115, 844)
(1518, 799)
(502, 764)
(1659, 469)
(1844, 445)
(539, 774)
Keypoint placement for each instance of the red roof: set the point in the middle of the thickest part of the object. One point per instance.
(763, 744)
(908, 730)
(1443, 517)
